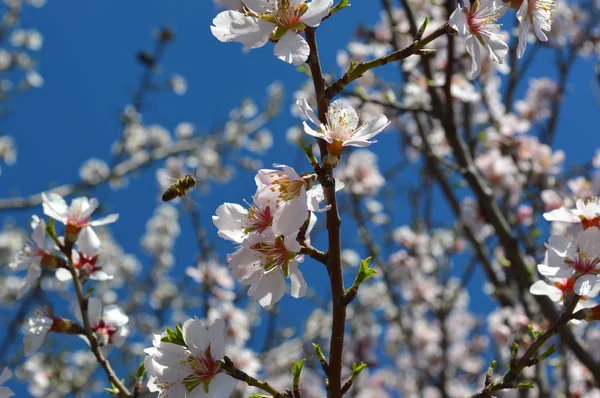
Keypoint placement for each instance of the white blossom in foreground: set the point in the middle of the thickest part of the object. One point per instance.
(537, 13)
(190, 370)
(586, 213)
(477, 22)
(5, 392)
(342, 127)
(264, 263)
(85, 259)
(108, 323)
(78, 214)
(280, 20)
(579, 258)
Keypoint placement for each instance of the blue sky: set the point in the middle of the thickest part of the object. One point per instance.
(90, 73)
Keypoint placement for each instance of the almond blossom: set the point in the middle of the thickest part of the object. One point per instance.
(278, 20)
(109, 323)
(537, 13)
(85, 259)
(342, 128)
(477, 22)
(33, 256)
(264, 263)
(190, 370)
(578, 258)
(78, 214)
(586, 213)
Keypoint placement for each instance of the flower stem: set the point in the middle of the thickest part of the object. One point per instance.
(228, 366)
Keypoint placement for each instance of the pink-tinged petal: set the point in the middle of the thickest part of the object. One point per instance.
(317, 10)
(541, 288)
(341, 115)
(288, 171)
(259, 6)
(55, 206)
(88, 242)
(473, 48)
(315, 133)
(292, 48)
(307, 111)
(195, 336)
(33, 273)
(299, 285)
(251, 32)
(561, 214)
(270, 289)
(458, 22)
(216, 338)
(371, 128)
(63, 275)
(39, 235)
(111, 218)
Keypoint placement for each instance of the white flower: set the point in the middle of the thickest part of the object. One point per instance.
(280, 20)
(264, 263)
(109, 324)
(286, 191)
(235, 222)
(36, 328)
(557, 289)
(85, 259)
(191, 370)
(32, 255)
(342, 127)
(586, 212)
(538, 13)
(178, 84)
(211, 272)
(578, 259)
(477, 22)
(79, 213)
(5, 392)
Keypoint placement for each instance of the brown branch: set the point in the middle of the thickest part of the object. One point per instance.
(333, 222)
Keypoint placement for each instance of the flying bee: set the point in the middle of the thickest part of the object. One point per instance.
(179, 187)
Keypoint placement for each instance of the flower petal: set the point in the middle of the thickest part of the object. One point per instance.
(317, 10)
(292, 48)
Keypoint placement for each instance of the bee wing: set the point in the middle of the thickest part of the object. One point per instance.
(164, 178)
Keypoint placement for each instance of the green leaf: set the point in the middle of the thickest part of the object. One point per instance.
(141, 371)
(526, 384)
(297, 369)
(547, 353)
(357, 368)
(50, 230)
(364, 272)
(342, 4)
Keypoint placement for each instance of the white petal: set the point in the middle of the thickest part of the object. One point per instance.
(259, 6)
(216, 338)
(292, 48)
(101, 276)
(33, 273)
(291, 215)
(88, 242)
(315, 133)
(6, 374)
(299, 286)
(475, 52)
(114, 315)
(307, 111)
(221, 385)
(39, 235)
(54, 206)
(497, 48)
(541, 288)
(458, 22)
(371, 128)
(524, 24)
(228, 220)
(195, 336)
(561, 214)
(63, 275)
(111, 218)
(251, 32)
(270, 288)
(317, 10)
